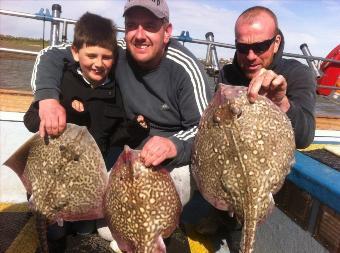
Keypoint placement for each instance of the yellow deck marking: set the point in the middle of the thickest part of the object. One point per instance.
(334, 149)
(313, 147)
(27, 239)
(198, 243)
(14, 207)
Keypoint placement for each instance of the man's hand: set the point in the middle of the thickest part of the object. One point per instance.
(156, 150)
(271, 85)
(52, 117)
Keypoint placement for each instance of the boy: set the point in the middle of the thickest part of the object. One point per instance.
(88, 91)
(92, 99)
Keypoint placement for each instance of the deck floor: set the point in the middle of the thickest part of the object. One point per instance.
(18, 234)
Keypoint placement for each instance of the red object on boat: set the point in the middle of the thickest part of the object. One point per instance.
(331, 72)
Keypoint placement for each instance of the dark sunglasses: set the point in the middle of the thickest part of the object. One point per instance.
(258, 48)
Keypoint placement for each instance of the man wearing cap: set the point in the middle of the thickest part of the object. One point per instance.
(158, 77)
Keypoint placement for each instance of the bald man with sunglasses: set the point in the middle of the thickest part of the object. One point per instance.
(258, 64)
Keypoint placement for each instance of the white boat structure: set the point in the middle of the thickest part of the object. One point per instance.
(308, 215)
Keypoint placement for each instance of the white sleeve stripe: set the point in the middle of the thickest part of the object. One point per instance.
(197, 71)
(199, 84)
(37, 61)
(121, 43)
(183, 135)
(179, 133)
(198, 75)
(190, 136)
(200, 107)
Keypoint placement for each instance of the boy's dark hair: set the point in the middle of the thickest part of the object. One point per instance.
(94, 30)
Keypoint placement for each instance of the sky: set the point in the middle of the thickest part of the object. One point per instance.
(314, 22)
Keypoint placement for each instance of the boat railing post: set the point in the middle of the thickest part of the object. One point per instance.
(311, 63)
(64, 35)
(54, 38)
(211, 57)
(208, 57)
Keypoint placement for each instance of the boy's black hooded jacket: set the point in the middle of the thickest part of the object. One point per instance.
(104, 114)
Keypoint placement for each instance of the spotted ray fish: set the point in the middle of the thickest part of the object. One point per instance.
(242, 153)
(65, 175)
(141, 205)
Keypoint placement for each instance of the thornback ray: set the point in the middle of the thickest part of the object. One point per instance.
(141, 205)
(241, 156)
(66, 175)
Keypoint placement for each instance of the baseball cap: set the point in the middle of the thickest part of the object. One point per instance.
(158, 7)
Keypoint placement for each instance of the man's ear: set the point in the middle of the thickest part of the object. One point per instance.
(167, 33)
(277, 43)
(75, 53)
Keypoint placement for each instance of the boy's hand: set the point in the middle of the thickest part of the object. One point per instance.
(141, 121)
(52, 117)
(77, 105)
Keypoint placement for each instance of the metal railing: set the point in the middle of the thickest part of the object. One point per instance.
(55, 20)
(212, 63)
(230, 46)
(11, 50)
(45, 17)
